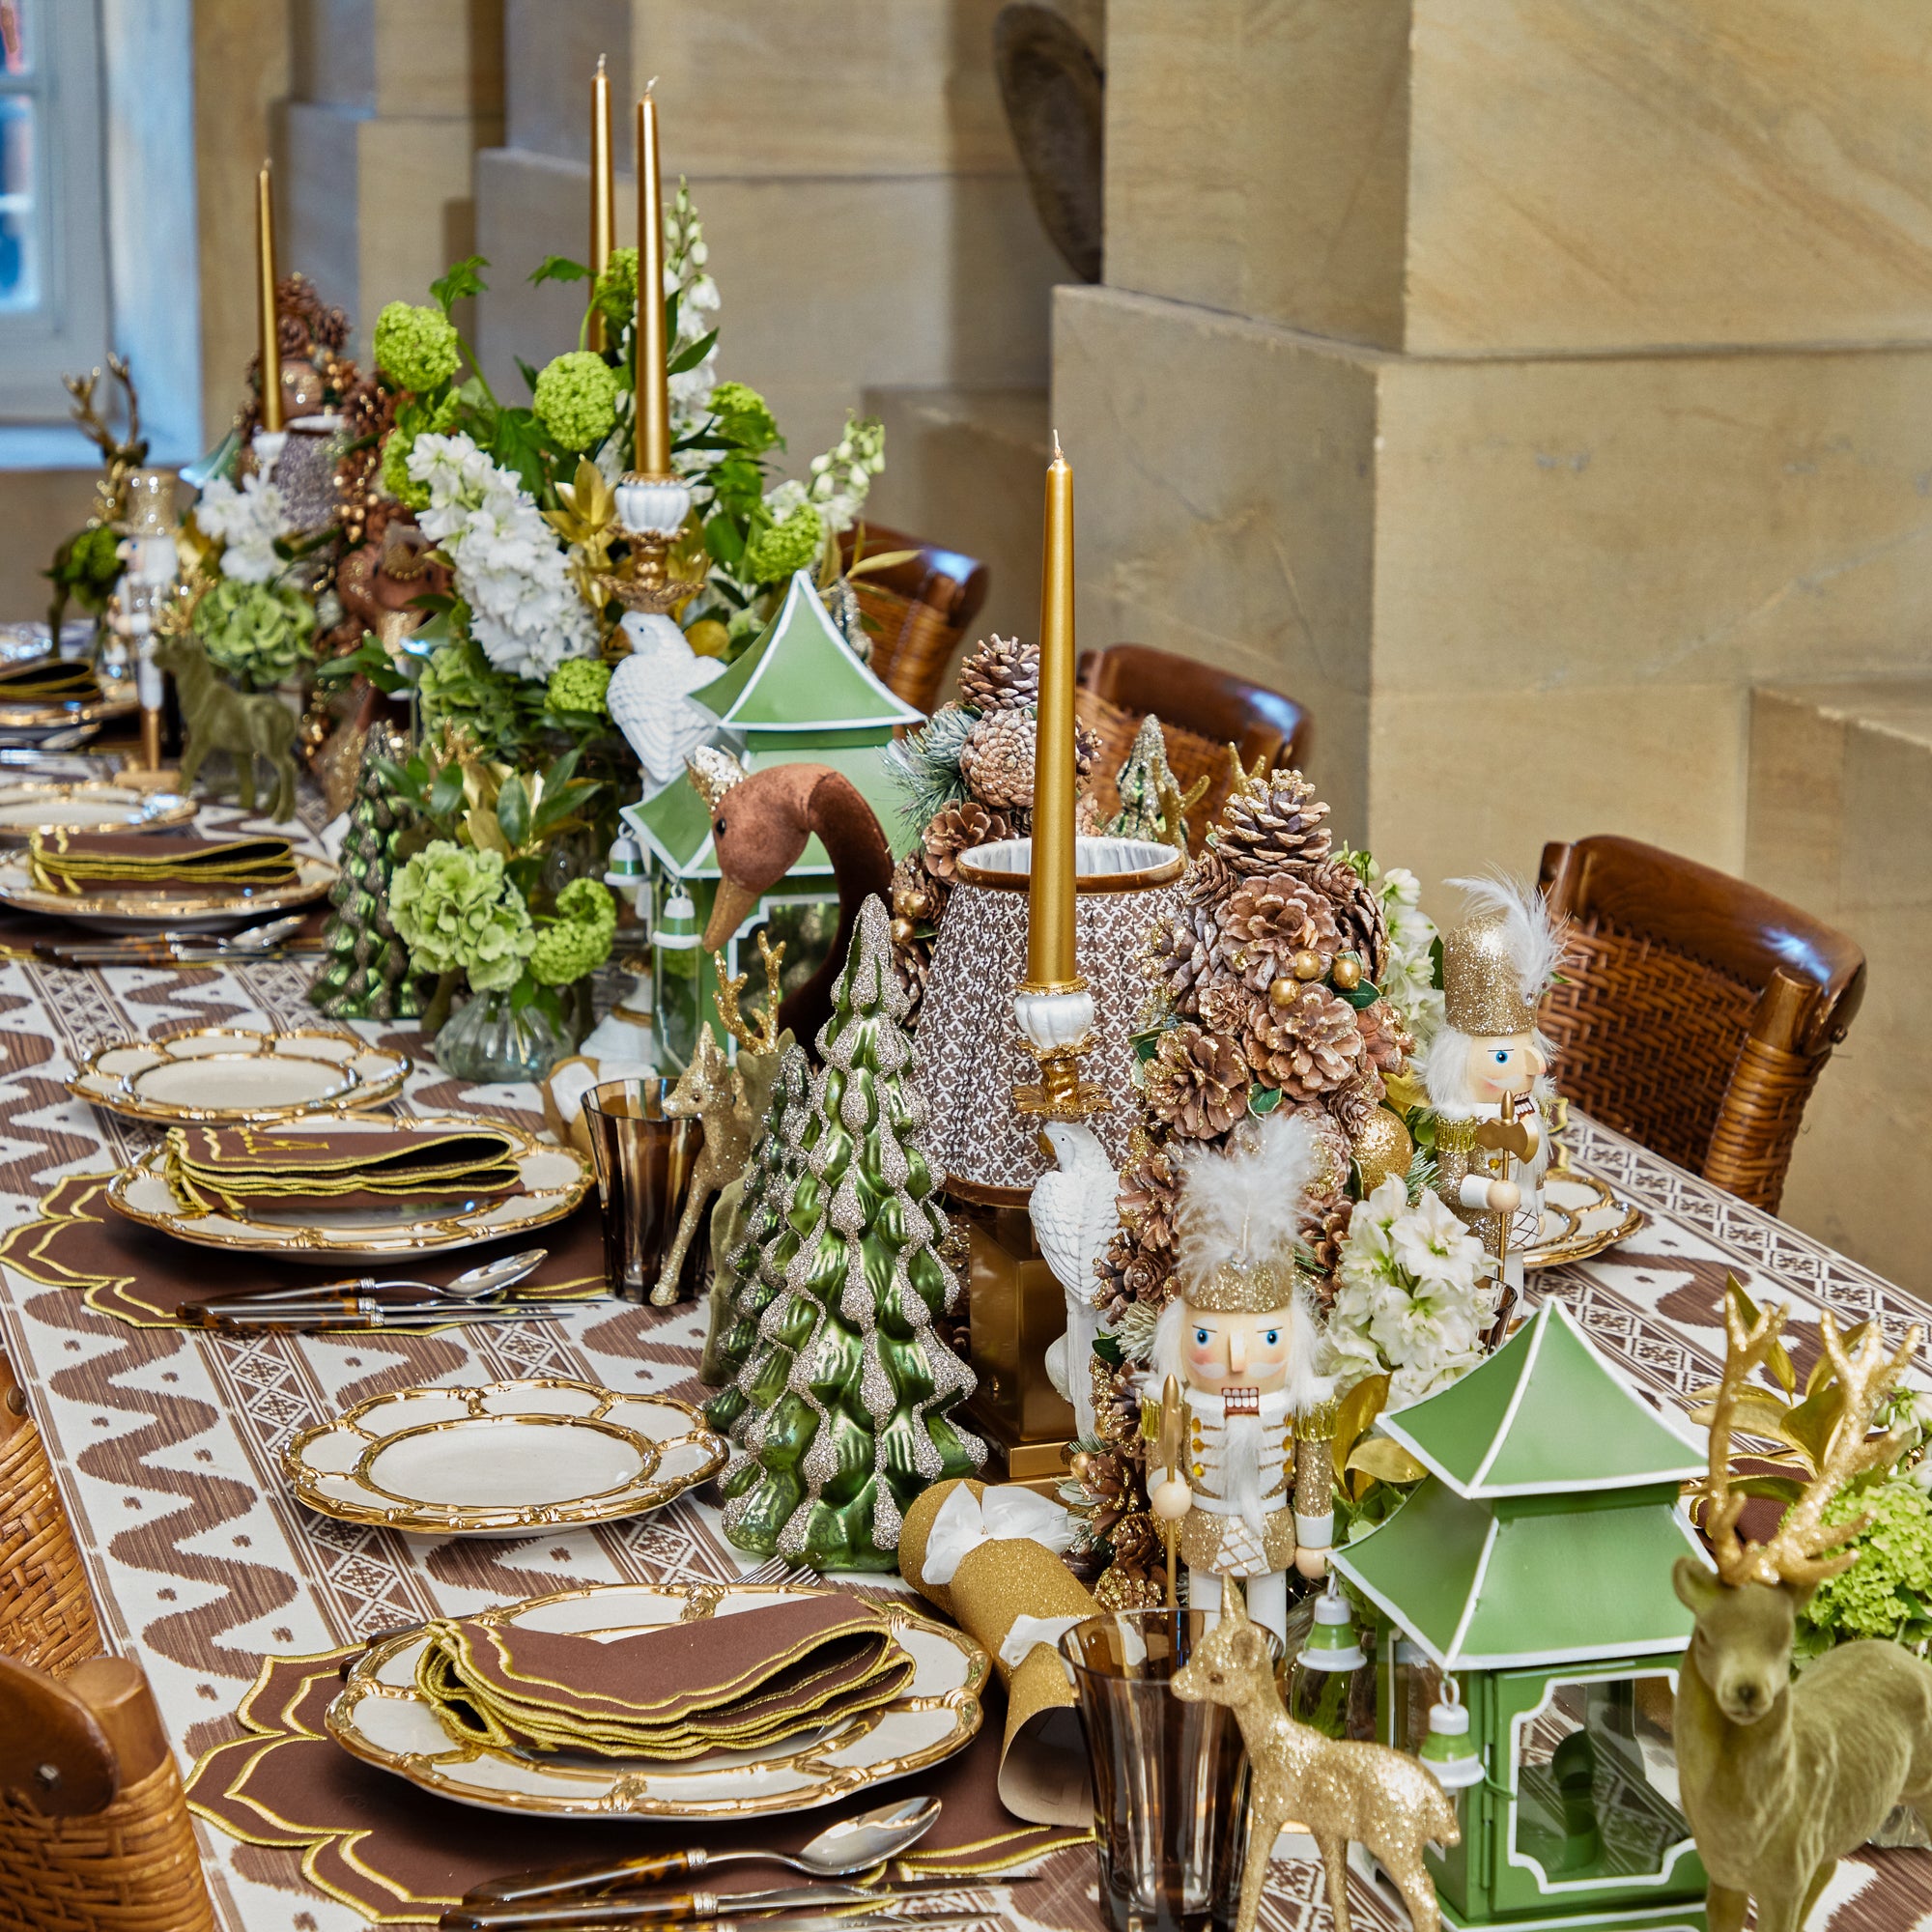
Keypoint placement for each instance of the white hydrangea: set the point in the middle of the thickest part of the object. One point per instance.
(1411, 1299)
(524, 609)
(842, 478)
(245, 522)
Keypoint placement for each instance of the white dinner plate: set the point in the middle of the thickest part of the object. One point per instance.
(554, 1179)
(211, 908)
(87, 805)
(539, 1454)
(236, 1075)
(380, 1718)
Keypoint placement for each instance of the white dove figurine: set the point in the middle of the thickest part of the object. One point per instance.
(1074, 1219)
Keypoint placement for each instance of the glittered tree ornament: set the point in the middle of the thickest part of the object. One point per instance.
(848, 1390)
(367, 976)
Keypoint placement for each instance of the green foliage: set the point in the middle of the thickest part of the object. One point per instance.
(417, 417)
(559, 268)
(459, 282)
(581, 686)
(742, 418)
(617, 292)
(457, 912)
(461, 688)
(579, 940)
(417, 349)
(256, 633)
(576, 400)
(87, 567)
(925, 766)
(1888, 1591)
(773, 551)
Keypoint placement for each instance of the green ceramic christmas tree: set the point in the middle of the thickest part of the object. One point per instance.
(368, 973)
(849, 1390)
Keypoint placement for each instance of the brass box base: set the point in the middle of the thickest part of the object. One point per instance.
(1016, 1310)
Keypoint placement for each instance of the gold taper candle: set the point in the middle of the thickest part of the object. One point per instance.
(265, 266)
(603, 194)
(653, 453)
(1050, 954)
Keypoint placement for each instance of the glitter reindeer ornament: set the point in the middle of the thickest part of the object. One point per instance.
(1252, 1492)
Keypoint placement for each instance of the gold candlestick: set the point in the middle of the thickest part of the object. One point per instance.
(264, 264)
(603, 197)
(653, 445)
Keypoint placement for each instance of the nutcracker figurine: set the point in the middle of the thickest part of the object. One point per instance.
(1487, 1070)
(1245, 1474)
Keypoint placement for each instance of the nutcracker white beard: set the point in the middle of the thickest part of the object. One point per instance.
(1241, 1469)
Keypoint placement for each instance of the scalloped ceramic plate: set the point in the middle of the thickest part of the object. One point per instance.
(538, 1454)
(87, 805)
(36, 718)
(554, 1181)
(380, 1719)
(234, 1075)
(141, 908)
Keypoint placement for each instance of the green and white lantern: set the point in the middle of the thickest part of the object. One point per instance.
(1528, 1579)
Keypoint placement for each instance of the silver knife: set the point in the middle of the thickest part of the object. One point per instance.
(287, 1322)
(620, 1917)
(616, 1909)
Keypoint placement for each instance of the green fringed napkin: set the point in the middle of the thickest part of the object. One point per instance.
(49, 681)
(232, 1170)
(70, 862)
(727, 1683)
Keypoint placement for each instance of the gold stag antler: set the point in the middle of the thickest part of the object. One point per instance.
(120, 453)
(1805, 1548)
(764, 1037)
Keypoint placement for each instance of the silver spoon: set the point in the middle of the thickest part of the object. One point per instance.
(851, 1845)
(471, 1284)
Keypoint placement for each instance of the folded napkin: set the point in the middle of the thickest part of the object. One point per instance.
(48, 680)
(234, 1169)
(69, 862)
(734, 1682)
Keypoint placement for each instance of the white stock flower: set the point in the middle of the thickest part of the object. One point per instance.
(1434, 1246)
(245, 522)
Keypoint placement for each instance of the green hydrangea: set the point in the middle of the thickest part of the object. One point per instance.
(579, 940)
(577, 399)
(257, 633)
(415, 348)
(616, 291)
(580, 684)
(775, 552)
(743, 416)
(1890, 1584)
(456, 913)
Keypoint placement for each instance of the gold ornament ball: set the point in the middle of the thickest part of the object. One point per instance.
(1382, 1148)
(911, 904)
(1347, 971)
(1079, 1465)
(902, 931)
(1282, 992)
(1307, 964)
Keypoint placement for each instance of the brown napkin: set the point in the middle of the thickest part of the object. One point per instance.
(236, 1169)
(69, 862)
(49, 681)
(727, 1683)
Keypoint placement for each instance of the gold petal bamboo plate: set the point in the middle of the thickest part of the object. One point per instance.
(554, 1181)
(141, 908)
(380, 1718)
(234, 1076)
(87, 805)
(539, 1454)
(1582, 1216)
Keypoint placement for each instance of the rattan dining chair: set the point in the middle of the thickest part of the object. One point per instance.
(95, 1835)
(916, 611)
(1694, 1013)
(1202, 712)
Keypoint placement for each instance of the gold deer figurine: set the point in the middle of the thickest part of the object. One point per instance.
(712, 1089)
(1780, 1780)
(1339, 1790)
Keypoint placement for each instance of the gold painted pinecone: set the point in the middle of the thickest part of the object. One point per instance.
(1358, 913)
(1198, 1082)
(1386, 1041)
(1176, 956)
(996, 760)
(999, 674)
(1266, 922)
(1148, 1202)
(1308, 1048)
(1354, 1103)
(957, 829)
(1125, 1587)
(1332, 1154)
(1322, 1235)
(1275, 826)
(1207, 881)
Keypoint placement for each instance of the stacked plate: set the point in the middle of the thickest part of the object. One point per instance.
(87, 805)
(237, 1075)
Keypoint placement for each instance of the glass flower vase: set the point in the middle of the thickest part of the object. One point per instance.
(488, 1042)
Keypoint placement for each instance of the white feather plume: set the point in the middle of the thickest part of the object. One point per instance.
(1533, 939)
(1245, 1204)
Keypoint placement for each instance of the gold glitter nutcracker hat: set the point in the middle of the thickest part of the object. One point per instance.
(1498, 963)
(1240, 1216)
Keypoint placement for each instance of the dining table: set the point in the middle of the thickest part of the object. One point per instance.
(240, 1603)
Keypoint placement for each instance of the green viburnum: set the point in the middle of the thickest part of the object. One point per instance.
(576, 399)
(257, 633)
(579, 940)
(414, 418)
(580, 684)
(1888, 1589)
(773, 552)
(743, 417)
(616, 291)
(415, 348)
(456, 913)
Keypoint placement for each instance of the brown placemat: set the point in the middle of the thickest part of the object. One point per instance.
(400, 1855)
(139, 1276)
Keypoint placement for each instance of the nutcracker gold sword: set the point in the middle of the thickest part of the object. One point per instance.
(1503, 1137)
(1173, 1435)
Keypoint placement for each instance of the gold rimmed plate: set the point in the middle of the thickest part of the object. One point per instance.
(38, 716)
(380, 1717)
(554, 1179)
(545, 1453)
(237, 1075)
(87, 805)
(142, 908)
(1582, 1215)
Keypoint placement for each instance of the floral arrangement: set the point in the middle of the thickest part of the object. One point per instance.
(1888, 1591)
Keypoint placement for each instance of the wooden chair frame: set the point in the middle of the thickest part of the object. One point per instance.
(922, 609)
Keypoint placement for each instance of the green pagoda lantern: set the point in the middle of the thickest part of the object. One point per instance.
(799, 695)
(1526, 1581)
